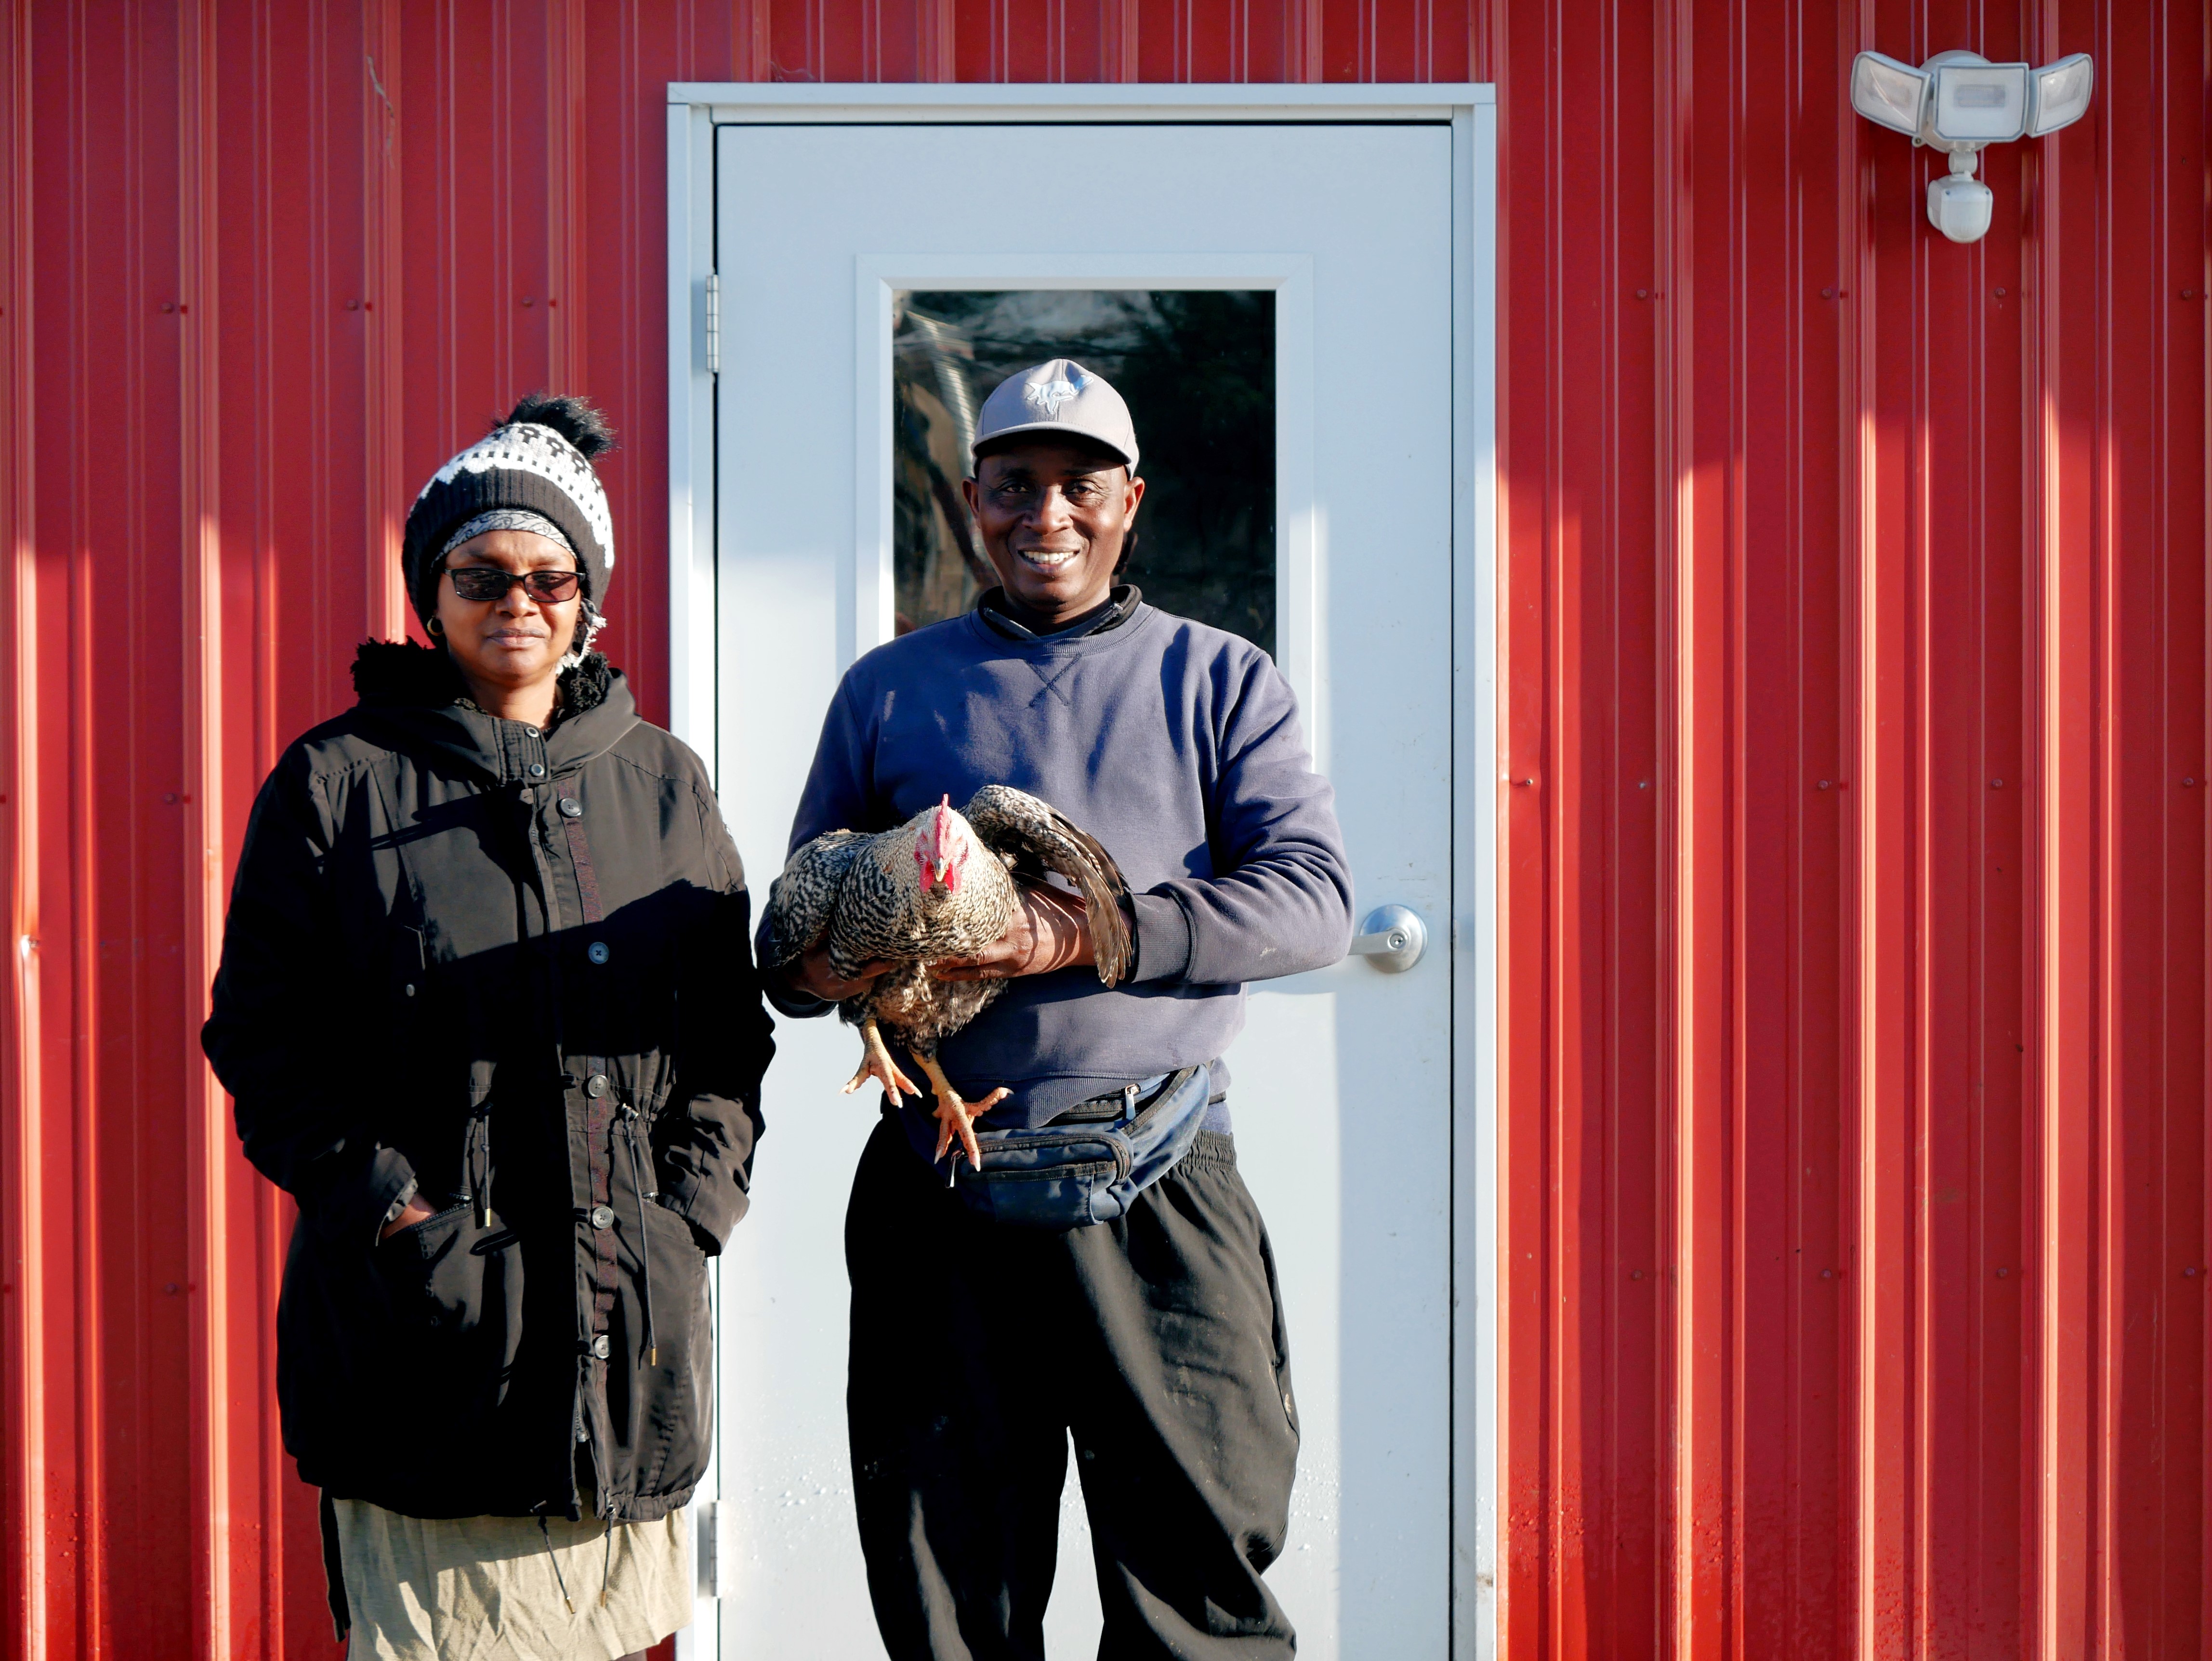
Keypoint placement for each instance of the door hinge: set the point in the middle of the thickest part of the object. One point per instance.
(713, 1550)
(714, 323)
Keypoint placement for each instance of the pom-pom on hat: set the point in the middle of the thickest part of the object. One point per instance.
(538, 461)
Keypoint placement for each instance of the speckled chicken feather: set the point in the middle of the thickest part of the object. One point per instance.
(865, 894)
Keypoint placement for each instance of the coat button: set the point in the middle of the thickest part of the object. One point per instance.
(603, 1216)
(597, 951)
(596, 1085)
(409, 989)
(599, 1347)
(571, 808)
(537, 770)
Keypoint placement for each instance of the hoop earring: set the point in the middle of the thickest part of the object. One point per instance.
(434, 627)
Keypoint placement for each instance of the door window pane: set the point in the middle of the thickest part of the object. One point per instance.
(1198, 370)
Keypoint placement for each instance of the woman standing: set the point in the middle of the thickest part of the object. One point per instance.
(488, 1009)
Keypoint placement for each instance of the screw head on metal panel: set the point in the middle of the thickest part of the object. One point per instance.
(2000, 293)
(1997, 784)
(2002, 1272)
(1827, 293)
(2189, 1273)
(2189, 783)
(529, 300)
(1827, 1273)
(168, 306)
(353, 305)
(1644, 293)
(1821, 785)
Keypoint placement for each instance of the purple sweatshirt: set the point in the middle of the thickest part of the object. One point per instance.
(1178, 747)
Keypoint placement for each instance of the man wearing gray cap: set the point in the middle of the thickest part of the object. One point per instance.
(1156, 1340)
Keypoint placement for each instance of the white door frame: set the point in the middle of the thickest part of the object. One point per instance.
(695, 110)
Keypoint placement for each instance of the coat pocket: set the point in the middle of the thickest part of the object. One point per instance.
(674, 1422)
(453, 1288)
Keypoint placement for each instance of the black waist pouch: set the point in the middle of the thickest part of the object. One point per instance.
(1089, 1164)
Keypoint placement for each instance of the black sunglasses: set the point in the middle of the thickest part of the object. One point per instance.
(490, 582)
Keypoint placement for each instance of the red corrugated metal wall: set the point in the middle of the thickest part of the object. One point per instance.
(1855, 620)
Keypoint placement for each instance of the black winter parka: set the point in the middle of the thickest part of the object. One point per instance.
(513, 968)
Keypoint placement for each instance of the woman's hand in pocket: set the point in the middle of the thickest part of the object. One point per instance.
(416, 1211)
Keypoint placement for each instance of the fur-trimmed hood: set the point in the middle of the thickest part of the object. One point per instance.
(398, 672)
(414, 698)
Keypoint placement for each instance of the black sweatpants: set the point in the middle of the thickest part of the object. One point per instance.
(977, 1347)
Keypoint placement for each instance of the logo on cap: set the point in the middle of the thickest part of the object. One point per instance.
(1050, 395)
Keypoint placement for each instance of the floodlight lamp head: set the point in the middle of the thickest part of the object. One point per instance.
(1959, 101)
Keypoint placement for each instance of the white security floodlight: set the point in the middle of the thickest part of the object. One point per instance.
(1958, 102)
(2061, 95)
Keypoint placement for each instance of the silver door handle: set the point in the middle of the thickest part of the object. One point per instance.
(1393, 938)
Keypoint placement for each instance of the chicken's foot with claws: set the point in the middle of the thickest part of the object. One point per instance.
(955, 1117)
(876, 1063)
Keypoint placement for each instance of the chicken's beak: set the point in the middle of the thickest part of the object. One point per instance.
(937, 868)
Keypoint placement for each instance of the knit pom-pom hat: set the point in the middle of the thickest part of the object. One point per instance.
(538, 461)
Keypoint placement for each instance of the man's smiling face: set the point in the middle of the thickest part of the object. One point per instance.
(1053, 516)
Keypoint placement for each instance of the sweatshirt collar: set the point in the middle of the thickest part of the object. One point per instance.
(1119, 606)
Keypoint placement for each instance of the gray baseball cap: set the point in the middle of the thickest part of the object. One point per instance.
(1060, 396)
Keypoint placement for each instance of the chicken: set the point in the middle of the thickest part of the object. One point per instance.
(942, 886)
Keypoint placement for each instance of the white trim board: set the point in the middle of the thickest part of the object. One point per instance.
(739, 100)
(697, 108)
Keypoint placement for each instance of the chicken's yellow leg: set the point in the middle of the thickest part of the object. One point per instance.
(954, 1116)
(876, 1063)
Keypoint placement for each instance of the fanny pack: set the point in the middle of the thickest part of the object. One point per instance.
(1089, 1164)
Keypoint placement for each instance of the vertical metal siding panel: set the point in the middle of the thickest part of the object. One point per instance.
(1807, 1609)
(2122, 1608)
(1879, 1174)
(2178, 1582)
(1699, 907)
(216, 1415)
(142, 1404)
(1530, 177)
(22, 1349)
(1783, 163)
(1602, 796)
(2068, 859)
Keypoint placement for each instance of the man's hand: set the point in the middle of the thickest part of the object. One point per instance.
(1049, 930)
(416, 1211)
(812, 973)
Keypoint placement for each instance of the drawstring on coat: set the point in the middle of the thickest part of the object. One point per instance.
(559, 1579)
(644, 1252)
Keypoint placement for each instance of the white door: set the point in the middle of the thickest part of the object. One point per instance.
(1341, 235)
